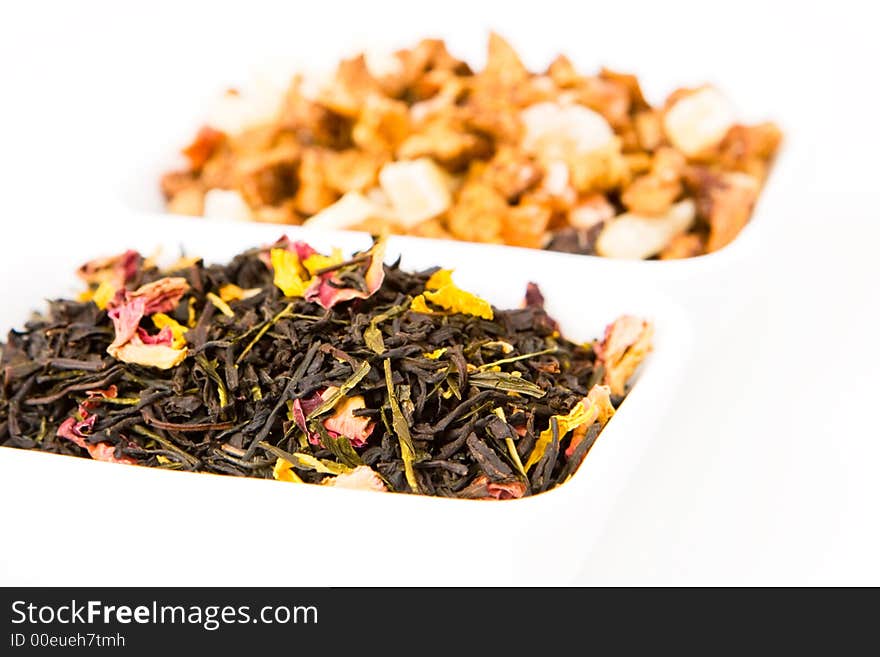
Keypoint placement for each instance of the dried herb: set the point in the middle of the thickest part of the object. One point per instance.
(401, 428)
(323, 373)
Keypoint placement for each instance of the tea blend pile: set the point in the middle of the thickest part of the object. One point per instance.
(418, 142)
(311, 368)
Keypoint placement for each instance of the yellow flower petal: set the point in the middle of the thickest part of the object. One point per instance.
(434, 355)
(101, 295)
(457, 300)
(317, 261)
(161, 320)
(232, 292)
(418, 305)
(220, 304)
(440, 290)
(283, 471)
(577, 416)
(191, 313)
(439, 279)
(104, 294)
(287, 278)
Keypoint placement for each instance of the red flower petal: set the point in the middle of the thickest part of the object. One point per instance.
(344, 422)
(161, 296)
(326, 290)
(106, 452)
(163, 337)
(126, 318)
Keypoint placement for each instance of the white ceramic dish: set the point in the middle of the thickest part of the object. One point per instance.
(84, 522)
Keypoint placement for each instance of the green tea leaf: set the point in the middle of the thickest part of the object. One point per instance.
(514, 456)
(210, 368)
(401, 428)
(264, 329)
(451, 382)
(307, 461)
(373, 336)
(513, 359)
(341, 447)
(505, 381)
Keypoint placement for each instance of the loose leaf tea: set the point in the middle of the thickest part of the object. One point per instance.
(307, 368)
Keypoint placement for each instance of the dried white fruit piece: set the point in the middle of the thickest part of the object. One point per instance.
(562, 132)
(595, 209)
(376, 196)
(556, 178)
(729, 203)
(226, 204)
(381, 63)
(189, 201)
(635, 237)
(699, 120)
(352, 209)
(255, 105)
(311, 84)
(418, 190)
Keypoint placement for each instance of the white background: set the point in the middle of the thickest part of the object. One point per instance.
(767, 471)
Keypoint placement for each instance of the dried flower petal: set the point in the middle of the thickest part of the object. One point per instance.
(104, 294)
(287, 273)
(363, 477)
(126, 319)
(75, 431)
(440, 278)
(419, 305)
(107, 452)
(440, 290)
(343, 422)
(231, 292)
(482, 488)
(160, 356)
(316, 261)
(626, 343)
(327, 290)
(117, 269)
(599, 398)
(283, 471)
(220, 304)
(160, 296)
(581, 414)
(163, 321)
(163, 337)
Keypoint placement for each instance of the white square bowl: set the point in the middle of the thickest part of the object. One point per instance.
(74, 521)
